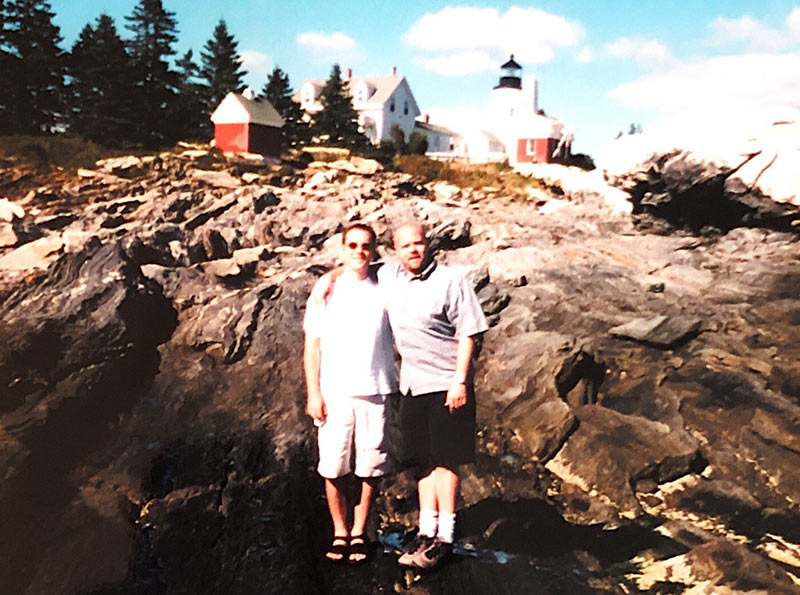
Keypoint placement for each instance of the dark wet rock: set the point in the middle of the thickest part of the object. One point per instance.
(214, 244)
(623, 449)
(544, 428)
(77, 351)
(660, 331)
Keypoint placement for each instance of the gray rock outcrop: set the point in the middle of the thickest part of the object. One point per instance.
(638, 393)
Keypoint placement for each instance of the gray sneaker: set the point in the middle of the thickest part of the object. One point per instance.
(432, 555)
(413, 548)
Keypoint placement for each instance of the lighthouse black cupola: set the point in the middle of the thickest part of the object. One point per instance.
(510, 75)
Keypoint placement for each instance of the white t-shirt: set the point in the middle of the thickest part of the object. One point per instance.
(356, 354)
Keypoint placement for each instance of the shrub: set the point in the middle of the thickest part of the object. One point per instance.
(48, 152)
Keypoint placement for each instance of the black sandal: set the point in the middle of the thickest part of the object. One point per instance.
(338, 550)
(358, 547)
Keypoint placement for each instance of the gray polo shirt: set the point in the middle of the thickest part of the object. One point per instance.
(428, 313)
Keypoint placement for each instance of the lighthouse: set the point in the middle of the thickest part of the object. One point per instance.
(513, 96)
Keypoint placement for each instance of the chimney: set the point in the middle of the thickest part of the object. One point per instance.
(394, 70)
(348, 74)
(427, 118)
(248, 93)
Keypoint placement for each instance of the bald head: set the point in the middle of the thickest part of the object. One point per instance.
(409, 227)
(411, 246)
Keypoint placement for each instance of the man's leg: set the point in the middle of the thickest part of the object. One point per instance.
(337, 505)
(359, 547)
(361, 510)
(446, 484)
(428, 505)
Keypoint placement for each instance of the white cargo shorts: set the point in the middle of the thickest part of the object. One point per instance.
(352, 438)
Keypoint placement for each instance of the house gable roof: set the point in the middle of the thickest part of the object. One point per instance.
(383, 87)
(238, 109)
(435, 128)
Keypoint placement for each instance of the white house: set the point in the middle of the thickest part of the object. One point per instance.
(443, 143)
(380, 101)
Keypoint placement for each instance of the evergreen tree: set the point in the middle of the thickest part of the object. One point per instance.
(99, 87)
(193, 116)
(279, 93)
(221, 65)
(154, 32)
(33, 68)
(338, 119)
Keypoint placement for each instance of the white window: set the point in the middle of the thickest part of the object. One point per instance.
(531, 149)
(391, 105)
(405, 108)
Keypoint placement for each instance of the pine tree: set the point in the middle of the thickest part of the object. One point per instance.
(99, 87)
(154, 32)
(221, 65)
(278, 92)
(193, 116)
(337, 120)
(33, 68)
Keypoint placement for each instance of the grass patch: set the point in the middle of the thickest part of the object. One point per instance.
(499, 176)
(46, 153)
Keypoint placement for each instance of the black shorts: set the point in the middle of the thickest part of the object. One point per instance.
(432, 435)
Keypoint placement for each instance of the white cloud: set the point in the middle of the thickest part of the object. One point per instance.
(255, 62)
(754, 35)
(745, 31)
(648, 53)
(455, 33)
(459, 63)
(793, 22)
(730, 83)
(585, 56)
(330, 47)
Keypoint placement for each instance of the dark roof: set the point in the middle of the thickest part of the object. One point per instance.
(260, 111)
(434, 128)
(511, 63)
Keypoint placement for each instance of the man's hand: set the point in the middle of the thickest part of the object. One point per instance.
(324, 286)
(315, 408)
(456, 396)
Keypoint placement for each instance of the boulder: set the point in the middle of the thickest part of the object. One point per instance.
(10, 211)
(661, 331)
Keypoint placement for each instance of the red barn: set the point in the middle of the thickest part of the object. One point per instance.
(243, 124)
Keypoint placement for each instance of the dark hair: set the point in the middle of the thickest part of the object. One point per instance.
(373, 239)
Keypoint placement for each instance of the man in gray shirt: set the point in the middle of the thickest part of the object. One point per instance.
(435, 318)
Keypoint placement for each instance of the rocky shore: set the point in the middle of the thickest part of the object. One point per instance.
(639, 388)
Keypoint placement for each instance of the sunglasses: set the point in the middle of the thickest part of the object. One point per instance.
(357, 246)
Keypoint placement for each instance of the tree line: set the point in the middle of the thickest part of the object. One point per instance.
(132, 91)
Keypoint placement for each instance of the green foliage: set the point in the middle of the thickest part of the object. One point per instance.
(221, 66)
(278, 92)
(98, 89)
(54, 151)
(31, 94)
(337, 122)
(192, 116)
(398, 138)
(417, 143)
(154, 85)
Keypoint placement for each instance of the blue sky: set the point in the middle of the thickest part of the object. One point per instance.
(600, 66)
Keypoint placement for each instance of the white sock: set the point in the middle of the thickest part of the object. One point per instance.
(447, 527)
(428, 522)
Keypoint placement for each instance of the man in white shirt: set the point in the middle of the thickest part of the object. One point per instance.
(350, 369)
